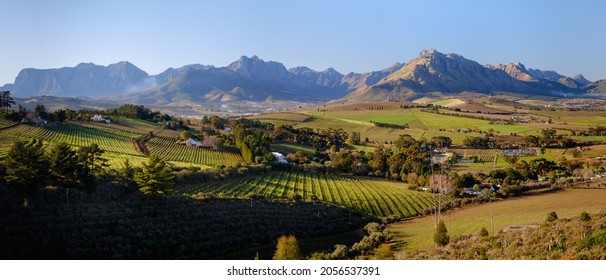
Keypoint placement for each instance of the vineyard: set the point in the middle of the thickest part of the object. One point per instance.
(5, 123)
(164, 146)
(108, 140)
(371, 196)
(175, 228)
(486, 155)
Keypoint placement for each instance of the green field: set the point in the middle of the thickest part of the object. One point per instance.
(417, 233)
(163, 145)
(286, 148)
(371, 196)
(116, 140)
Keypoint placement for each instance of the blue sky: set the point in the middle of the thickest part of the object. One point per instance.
(358, 36)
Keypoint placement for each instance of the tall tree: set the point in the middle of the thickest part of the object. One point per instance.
(91, 157)
(156, 177)
(6, 100)
(27, 166)
(287, 248)
(64, 165)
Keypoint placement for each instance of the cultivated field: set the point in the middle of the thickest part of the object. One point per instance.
(371, 196)
(418, 233)
(163, 145)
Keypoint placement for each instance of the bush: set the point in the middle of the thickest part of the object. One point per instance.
(483, 232)
(552, 216)
(441, 236)
(585, 217)
(384, 252)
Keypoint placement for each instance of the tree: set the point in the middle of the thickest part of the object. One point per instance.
(287, 248)
(354, 138)
(91, 157)
(441, 236)
(441, 141)
(64, 165)
(27, 165)
(156, 177)
(184, 135)
(6, 100)
(127, 175)
(41, 112)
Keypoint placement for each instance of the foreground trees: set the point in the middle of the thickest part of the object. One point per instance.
(156, 178)
(27, 166)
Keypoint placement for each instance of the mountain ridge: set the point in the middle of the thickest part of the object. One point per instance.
(252, 79)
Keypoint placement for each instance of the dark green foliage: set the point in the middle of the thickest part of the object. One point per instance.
(156, 178)
(483, 232)
(552, 216)
(441, 141)
(477, 142)
(64, 165)
(27, 165)
(6, 100)
(441, 236)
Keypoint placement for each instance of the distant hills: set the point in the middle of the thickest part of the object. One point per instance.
(251, 79)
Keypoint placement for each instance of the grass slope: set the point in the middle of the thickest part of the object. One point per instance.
(418, 233)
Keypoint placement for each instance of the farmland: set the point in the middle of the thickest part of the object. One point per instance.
(417, 233)
(374, 197)
(163, 145)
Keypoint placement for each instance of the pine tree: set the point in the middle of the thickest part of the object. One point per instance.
(287, 248)
(6, 100)
(441, 236)
(64, 165)
(91, 157)
(156, 178)
(27, 166)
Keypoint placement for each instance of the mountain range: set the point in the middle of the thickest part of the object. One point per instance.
(251, 79)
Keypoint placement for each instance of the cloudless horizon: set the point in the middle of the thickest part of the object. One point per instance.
(350, 36)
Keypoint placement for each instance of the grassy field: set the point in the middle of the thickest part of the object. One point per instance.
(286, 148)
(418, 233)
(375, 197)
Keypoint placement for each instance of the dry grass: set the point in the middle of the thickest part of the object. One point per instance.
(418, 233)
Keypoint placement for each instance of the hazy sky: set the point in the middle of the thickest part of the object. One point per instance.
(358, 36)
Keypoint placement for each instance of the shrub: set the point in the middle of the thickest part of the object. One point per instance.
(384, 252)
(441, 236)
(552, 216)
(585, 217)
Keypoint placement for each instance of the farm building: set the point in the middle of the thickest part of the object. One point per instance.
(100, 118)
